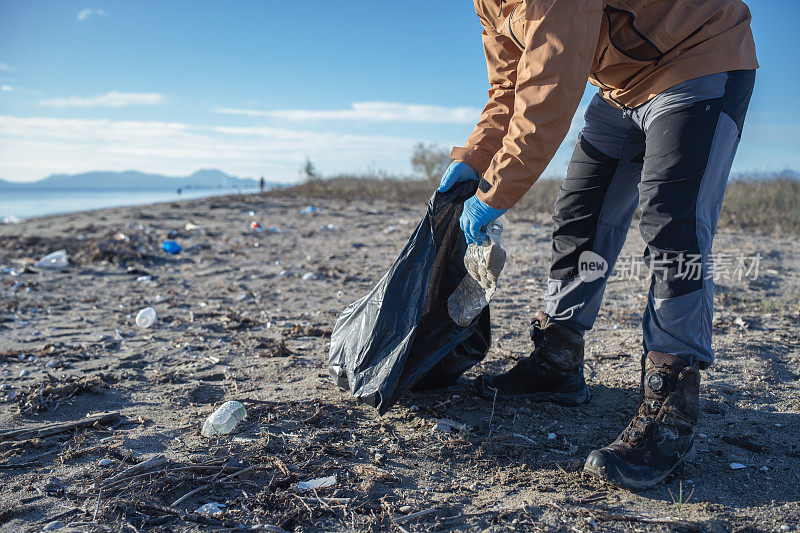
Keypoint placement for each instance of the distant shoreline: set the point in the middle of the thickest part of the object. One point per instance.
(17, 205)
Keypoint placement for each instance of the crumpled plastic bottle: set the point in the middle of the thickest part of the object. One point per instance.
(146, 317)
(484, 263)
(56, 260)
(224, 419)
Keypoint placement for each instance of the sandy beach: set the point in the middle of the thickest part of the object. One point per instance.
(246, 315)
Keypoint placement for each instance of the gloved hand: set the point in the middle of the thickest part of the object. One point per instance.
(457, 172)
(475, 217)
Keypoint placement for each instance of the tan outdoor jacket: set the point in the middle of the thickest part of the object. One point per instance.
(539, 54)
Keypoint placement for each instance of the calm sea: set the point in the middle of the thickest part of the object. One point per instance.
(25, 204)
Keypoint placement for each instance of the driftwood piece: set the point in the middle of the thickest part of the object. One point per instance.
(145, 466)
(57, 428)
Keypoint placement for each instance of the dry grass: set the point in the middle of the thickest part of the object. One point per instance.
(768, 205)
(760, 204)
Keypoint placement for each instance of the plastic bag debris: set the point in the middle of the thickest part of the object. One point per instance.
(224, 419)
(211, 508)
(400, 336)
(446, 425)
(55, 260)
(318, 483)
(483, 263)
(310, 209)
(255, 226)
(171, 247)
(146, 317)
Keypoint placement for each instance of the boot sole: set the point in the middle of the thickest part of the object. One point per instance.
(602, 474)
(564, 399)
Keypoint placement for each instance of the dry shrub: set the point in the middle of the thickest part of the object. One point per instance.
(761, 203)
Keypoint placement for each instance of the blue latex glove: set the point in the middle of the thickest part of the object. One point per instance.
(458, 171)
(475, 217)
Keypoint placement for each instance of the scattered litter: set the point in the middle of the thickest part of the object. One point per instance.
(133, 271)
(390, 229)
(309, 331)
(274, 230)
(328, 227)
(737, 466)
(171, 247)
(9, 270)
(224, 419)
(739, 321)
(189, 226)
(439, 427)
(255, 226)
(450, 425)
(310, 209)
(318, 483)
(119, 236)
(358, 245)
(309, 276)
(551, 436)
(55, 524)
(39, 397)
(273, 348)
(55, 260)
(211, 508)
(105, 462)
(251, 213)
(146, 317)
(144, 278)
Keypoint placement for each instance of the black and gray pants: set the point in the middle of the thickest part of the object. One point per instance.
(671, 157)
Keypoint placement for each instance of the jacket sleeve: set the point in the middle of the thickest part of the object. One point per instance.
(502, 56)
(560, 38)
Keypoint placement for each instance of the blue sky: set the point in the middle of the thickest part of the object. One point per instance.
(255, 87)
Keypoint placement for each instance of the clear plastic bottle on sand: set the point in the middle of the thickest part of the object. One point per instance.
(224, 419)
(146, 317)
(55, 260)
(484, 263)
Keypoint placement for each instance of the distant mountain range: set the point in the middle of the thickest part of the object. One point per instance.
(133, 180)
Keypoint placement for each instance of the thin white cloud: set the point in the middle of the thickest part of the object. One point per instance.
(90, 12)
(5, 67)
(79, 145)
(6, 88)
(112, 99)
(370, 112)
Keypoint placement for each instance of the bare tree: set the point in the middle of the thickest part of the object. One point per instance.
(310, 171)
(430, 161)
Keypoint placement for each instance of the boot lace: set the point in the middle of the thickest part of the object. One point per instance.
(642, 423)
(537, 333)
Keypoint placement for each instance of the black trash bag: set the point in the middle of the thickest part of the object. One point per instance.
(400, 335)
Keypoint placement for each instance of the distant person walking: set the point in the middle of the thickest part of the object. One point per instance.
(262, 185)
(675, 79)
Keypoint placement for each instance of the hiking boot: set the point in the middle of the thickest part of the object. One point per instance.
(553, 372)
(661, 435)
